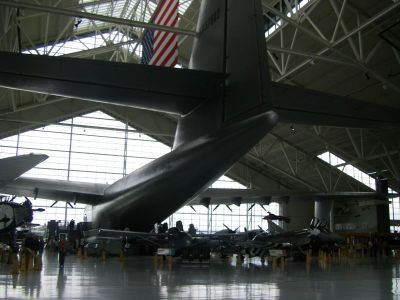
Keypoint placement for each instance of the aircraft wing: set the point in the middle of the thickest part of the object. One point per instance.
(58, 190)
(222, 196)
(151, 238)
(157, 88)
(13, 167)
(305, 106)
(289, 237)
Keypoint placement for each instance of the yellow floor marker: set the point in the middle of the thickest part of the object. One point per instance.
(273, 263)
(309, 256)
(23, 263)
(169, 262)
(238, 260)
(155, 260)
(121, 256)
(160, 260)
(282, 262)
(38, 263)
(30, 263)
(14, 264)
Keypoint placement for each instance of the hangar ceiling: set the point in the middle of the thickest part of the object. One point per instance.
(346, 47)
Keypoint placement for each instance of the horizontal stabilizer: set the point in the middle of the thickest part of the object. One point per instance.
(13, 167)
(156, 88)
(61, 190)
(304, 106)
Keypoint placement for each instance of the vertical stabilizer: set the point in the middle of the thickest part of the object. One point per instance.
(230, 40)
(246, 59)
(274, 228)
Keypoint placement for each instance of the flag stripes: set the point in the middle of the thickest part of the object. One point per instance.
(160, 48)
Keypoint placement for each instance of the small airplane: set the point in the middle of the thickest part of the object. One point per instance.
(174, 238)
(273, 217)
(225, 103)
(13, 215)
(317, 234)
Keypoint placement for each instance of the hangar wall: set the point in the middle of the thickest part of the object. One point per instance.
(356, 217)
(300, 213)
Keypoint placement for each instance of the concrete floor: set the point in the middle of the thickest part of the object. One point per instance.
(139, 278)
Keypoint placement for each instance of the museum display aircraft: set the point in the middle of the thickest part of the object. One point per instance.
(225, 101)
(13, 215)
(316, 235)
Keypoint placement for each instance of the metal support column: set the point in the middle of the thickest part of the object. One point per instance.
(323, 210)
(382, 210)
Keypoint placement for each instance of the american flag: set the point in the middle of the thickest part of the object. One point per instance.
(160, 48)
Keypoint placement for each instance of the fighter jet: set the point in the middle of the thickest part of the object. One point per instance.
(225, 102)
(175, 239)
(317, 235)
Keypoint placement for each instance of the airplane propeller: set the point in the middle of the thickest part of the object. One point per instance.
(38, 209)
(230, 230)
(8, 199)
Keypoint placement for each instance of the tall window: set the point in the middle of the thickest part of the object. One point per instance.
(215, 218)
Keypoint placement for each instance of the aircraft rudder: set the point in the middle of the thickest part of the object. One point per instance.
(230, 40)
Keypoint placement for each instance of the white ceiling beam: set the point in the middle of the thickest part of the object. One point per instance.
(331, 46)
(107, 19)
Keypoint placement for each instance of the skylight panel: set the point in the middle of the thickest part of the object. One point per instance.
(273, 23)
(141, 12)
(225, 182)
(84, 43)
(135, 10)
(348, 169)
(184, 5)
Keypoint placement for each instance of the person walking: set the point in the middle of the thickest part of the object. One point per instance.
(61, 250)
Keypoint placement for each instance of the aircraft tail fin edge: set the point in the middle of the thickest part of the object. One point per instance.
(273, 228)
(13, 167)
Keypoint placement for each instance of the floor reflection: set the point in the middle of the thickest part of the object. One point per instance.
(139, 278)
(61, 281)
(222, 291)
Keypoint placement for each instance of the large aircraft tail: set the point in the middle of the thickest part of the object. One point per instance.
(230, 40)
